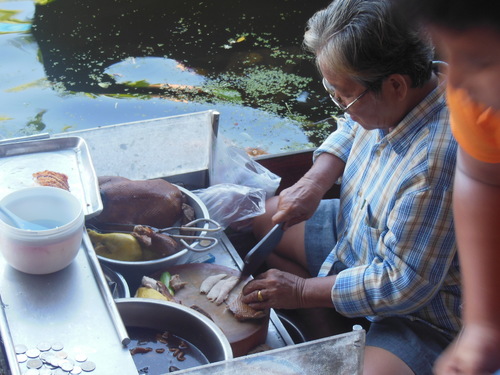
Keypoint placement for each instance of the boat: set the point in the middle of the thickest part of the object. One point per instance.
(165, 148)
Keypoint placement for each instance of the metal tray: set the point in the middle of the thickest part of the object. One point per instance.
(72, 308)
(21, 158)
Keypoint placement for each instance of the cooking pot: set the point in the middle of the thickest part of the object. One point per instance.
(178, 320)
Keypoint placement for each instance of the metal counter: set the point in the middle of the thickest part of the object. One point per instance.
(67, 312)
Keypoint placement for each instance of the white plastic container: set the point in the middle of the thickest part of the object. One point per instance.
(42, 251)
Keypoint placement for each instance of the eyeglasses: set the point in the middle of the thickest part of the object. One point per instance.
(331, 91)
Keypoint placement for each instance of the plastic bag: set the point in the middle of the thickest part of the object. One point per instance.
(229, 203)
(232, 165)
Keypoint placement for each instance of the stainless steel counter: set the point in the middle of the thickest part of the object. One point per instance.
(64, 312)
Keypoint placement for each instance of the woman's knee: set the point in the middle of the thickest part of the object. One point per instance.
(379, 361)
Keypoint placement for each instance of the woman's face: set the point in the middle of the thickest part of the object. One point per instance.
(372, 110)
(473, 56)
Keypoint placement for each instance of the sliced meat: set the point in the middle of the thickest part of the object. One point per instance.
(176, 283)
(221, 290)
(242, 311)
(227, 286)
(213, 294)
(210, 281)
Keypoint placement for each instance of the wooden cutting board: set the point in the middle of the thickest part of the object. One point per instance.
(243, 336)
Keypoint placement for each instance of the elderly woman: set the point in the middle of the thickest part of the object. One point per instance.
(385, 250)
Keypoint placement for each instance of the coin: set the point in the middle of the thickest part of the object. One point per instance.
(20, 349)
(43, 346)
(34, 363)
(66, 365)
(80, 357)
(45, 356)
(22, 358)
(57, 346)
(33, 353)
(45, 371)
(61, 354)
(88, 366)
(53, 361)
(76, 370)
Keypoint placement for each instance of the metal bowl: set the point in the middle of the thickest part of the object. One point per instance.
(133, 271)
(116, 283)
(179, 320)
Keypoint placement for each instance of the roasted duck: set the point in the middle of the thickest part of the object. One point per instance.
(156, 202)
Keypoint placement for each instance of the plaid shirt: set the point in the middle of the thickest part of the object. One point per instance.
(395, 224)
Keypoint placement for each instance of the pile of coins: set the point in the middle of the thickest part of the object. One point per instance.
(51, 359)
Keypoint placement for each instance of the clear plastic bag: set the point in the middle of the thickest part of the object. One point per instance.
(232, 165)
(230, 203)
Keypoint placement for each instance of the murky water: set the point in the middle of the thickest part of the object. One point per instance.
(77, 64)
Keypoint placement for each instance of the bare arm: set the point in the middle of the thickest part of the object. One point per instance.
(476, 209)
(298, 202)
(476, 206)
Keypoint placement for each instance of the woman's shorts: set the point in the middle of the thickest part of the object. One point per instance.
(414, 342)
(320, 234)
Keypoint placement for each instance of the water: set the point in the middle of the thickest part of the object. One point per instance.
(76, 64)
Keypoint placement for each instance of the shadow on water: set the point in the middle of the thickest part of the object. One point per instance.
(214, 53)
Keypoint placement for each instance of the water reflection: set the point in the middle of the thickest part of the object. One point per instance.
(112, 61)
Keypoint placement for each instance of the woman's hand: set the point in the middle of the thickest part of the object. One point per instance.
(298, 202)
(283, 290)
(275, 289)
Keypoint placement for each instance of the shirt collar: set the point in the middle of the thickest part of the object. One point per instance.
(401, 137)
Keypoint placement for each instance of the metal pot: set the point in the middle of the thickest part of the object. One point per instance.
(133, 271)
(179, 320)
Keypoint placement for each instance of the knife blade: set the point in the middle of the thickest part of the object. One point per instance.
(258, 254)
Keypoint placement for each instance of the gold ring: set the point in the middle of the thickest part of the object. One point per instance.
(259, 296)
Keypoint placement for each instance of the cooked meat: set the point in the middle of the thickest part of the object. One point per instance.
(242, 311)
(221, 290)
(155, 202)
(210, 281)
(149, 282)
(51, 178)
(155, 245)
(176, 283)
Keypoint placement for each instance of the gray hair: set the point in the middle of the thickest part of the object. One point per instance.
(367, 41)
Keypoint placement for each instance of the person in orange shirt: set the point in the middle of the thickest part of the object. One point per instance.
(467, 35)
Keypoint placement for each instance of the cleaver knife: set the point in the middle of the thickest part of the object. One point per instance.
(255, 257)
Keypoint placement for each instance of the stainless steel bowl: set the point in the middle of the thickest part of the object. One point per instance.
(133, 271)
(179, 320)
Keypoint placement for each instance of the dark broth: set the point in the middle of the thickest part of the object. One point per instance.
(163, 357)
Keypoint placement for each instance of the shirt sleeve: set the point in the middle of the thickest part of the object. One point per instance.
(339, 143)
(414, 255)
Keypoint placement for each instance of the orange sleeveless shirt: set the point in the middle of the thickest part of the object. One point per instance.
(475, 127)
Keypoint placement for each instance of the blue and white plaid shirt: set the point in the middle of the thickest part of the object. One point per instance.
(395, 224)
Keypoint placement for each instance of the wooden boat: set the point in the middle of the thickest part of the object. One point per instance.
(114, 152)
